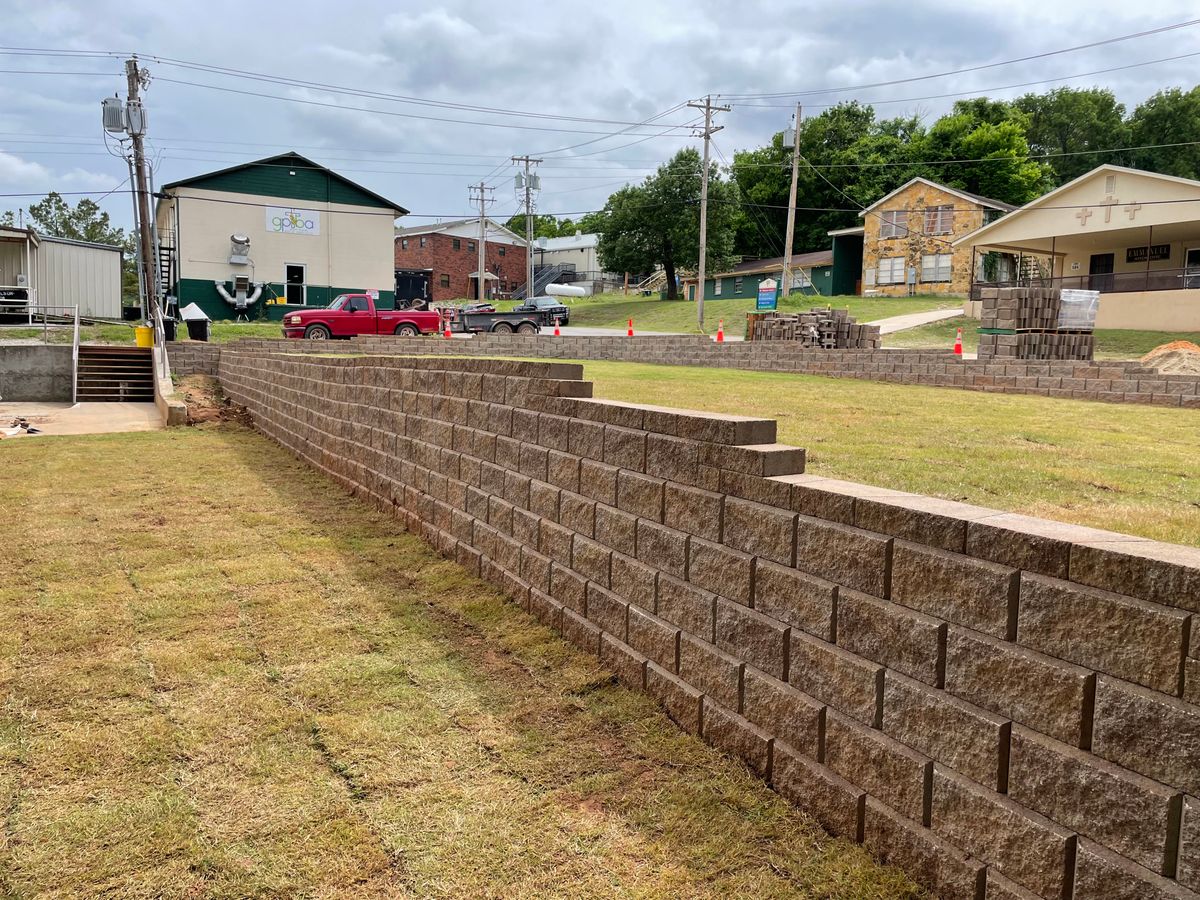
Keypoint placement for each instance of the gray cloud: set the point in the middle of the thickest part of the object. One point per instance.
(621, 60)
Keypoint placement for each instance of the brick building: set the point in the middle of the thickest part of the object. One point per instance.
(442, 259)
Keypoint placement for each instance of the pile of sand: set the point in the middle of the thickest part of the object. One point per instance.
(1175, 358)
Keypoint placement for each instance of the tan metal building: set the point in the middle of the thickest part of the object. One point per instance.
(38, 271)
(1132, 235)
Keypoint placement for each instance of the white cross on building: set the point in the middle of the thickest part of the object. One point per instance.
(1083, 215)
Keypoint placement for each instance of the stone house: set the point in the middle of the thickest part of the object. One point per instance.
(909, 234)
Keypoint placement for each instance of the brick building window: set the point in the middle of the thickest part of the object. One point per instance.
(893, 223)
(939, 219)
(456, 244)
(403, 243)
(501, 249)
(471, 246)
(423, 242)
(890, 270)
(444, 280)
(936, 266)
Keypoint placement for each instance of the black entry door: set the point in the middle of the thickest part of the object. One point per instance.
(1100, 272)
(294, 287)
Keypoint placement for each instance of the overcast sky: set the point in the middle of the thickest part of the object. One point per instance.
(619, 61)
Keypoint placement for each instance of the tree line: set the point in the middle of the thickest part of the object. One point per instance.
(1008, 150)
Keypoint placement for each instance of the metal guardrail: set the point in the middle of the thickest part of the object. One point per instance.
(1185, 278)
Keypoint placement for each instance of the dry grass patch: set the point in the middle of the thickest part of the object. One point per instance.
(221, 677)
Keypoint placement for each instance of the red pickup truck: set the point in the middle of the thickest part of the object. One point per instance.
(351, 314)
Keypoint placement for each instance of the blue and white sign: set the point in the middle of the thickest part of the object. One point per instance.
(290, 220)
(766, 295)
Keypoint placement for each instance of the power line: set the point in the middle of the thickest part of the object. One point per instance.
(979, 68)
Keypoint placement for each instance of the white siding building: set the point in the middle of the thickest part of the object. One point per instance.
(39, 271)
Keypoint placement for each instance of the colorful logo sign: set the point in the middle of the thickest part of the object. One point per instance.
(289, 220)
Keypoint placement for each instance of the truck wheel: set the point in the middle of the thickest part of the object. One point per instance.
(527, 328)
(317, 333)
(502, 328)
(406, 330)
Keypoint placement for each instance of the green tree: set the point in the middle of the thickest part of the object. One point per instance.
(85, 221)
(1074, 121)
(544, 226)
(658, 222)
(1169, 117)
(998, 148)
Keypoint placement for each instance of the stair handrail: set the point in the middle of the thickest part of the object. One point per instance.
(162, 365)
(75, 360)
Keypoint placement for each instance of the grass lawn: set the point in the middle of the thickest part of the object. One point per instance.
(123, 334)
(1121, 467)
(1110, 343)
(237, 681)
(652, 314)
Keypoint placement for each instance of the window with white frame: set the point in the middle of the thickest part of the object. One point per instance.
(939, 219)
(716, 287)
(893, 223)
(890, 270)
(936, 266)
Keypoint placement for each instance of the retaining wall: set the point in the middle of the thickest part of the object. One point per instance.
(1002, 706)
(36, 372)
(1110, 380)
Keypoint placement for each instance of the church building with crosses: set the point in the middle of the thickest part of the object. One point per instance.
(1132, 235)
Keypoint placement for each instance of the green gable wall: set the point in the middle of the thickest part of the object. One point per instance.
(204, 294)
(272, 180)
(820, 275)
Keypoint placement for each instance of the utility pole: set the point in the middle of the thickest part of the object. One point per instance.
(479, 192)
(528, 184)
(785, 283)
(708, 131)
(136, 118)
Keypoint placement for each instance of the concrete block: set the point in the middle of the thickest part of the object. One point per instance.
(1148, 732)
(545, 609)
(640, 495)
(671, 459)
(849, 684)
(694, 510)
(721, 570)
(535, 569)
(885, 768)
(1188, 869)
(606, 610)
(653, 637)
(586, 439)
(753, 637)
(592, 560)
(562, 470)
(950, 586)
(1132, 639)
(634, 581)
(665, 548)
(1044, 693)
(920, 520)
(626, 663)
(598, 481)
(711, 670)
(579, 631)
(779, 709)
(1127, 812)
(901, 639)
(577, 513)
(827, 797)
(1021, 844)
(616, 529)
(1101, 874)
(1161, 573)
(543, 499)
(681, 701)
(933, 863)
(686, 606)
(568, 588)
(555, 541)
(847, 556)
(728, 731)
(801, 600)
(963, 737)
(760, 530)
(625, 448)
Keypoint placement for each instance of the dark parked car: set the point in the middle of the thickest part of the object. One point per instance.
(548, 308)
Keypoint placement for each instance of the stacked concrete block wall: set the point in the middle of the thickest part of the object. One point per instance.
(1004, 707)
(1024, 323)
(1104, 380)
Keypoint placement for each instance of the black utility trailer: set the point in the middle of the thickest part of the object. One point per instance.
(495, 322)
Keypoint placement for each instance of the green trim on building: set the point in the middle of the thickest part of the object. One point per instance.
(847, 264)
(748, 288)
(291, 176)
(204, 294)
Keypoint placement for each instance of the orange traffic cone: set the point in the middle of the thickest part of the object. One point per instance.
(720, 331)
(446, 331)
(557, 333)
(958, 344)
(629, 333)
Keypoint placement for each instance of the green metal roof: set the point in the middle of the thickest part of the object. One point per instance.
(292, 176)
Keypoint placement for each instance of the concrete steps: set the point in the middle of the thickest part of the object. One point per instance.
(114, 374)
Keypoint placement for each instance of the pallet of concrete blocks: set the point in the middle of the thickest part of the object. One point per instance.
(827, 329)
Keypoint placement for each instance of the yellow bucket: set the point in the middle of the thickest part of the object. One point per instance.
(143, 336)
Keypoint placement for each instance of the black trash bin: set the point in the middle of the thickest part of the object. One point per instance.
(131, 313)
(197, 329)
(168, 328)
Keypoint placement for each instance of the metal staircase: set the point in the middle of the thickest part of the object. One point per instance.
(542, 277)
(114, 374)
(653, 283)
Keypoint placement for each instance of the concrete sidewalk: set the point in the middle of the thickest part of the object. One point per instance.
(83, 418)
(892, 324)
